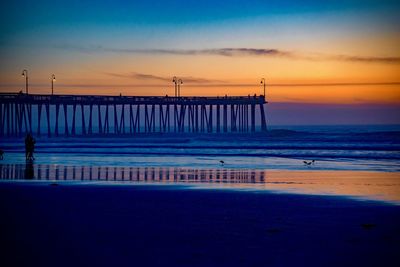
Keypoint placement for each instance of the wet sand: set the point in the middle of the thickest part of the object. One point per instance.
(71, 224)
(370, 185)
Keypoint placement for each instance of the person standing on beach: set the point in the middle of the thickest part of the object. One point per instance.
(32, 147)
(29, 147)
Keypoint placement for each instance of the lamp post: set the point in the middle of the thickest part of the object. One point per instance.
(263, 83)
(175, 81)
(179, 87)
(53, 79)
(25, 74)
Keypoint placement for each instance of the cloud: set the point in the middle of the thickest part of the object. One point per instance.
(365, 59)
(139, 76)
(237, 52)
(227, 52)
(143, 76)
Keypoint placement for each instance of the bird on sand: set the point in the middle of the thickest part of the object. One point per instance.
(308, 163)
(222, 162)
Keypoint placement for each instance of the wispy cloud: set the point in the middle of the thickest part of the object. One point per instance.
(143, 76)
(372, 59)
(139, 76)
(237, 52)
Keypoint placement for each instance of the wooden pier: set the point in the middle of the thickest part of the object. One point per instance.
(22, 113)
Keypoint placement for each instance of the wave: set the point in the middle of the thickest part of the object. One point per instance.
(294, 155)
(223, 147)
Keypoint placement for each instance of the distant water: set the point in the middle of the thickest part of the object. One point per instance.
(374, 148)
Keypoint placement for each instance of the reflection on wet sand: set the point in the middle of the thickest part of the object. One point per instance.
(29, 170)
(368, 185)
(99, 173)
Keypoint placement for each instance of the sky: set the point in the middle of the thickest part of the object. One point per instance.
(338, 58)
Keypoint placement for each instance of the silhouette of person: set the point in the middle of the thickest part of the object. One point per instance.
(26, 146)
(29, 147)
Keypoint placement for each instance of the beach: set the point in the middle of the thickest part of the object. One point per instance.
(71, 224)
(169, 200)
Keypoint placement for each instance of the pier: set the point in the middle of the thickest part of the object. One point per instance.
(57, 115)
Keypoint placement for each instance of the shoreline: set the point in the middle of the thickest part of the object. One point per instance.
(364, 185)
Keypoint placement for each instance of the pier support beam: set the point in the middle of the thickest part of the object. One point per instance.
(90, 128)
(263, 122)
(218, 119)
(66, 131)
(48, 119)
(99, 119)
(253, 117)
(57, 112)
(73, 131)
(39, 118)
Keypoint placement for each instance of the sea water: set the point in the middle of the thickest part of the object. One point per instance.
(348, 160)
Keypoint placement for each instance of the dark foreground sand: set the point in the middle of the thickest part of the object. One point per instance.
(101, 225)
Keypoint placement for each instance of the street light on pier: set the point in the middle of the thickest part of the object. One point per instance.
(53, 79)
(263, 83)
(25, 74)
(179, 87)
(175, 81)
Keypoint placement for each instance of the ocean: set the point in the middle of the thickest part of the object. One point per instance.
(233, 158)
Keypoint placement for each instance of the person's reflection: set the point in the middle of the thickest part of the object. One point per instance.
(29, 172)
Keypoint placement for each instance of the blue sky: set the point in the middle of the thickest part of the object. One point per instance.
(19, 15)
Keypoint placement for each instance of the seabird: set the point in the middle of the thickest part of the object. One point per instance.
(308, 163)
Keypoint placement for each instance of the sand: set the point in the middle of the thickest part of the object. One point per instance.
(72, 224)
